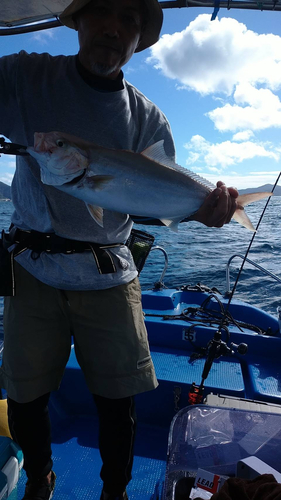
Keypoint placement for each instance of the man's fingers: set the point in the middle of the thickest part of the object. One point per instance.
(213, 198)
(226, 207)
(219, 206)
(233, 192)
(226, 204)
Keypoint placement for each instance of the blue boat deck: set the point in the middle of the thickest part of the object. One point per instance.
(176, 332)
(77, 461)
(76, 456)
(173, 340)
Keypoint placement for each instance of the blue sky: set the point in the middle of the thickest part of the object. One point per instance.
(218, 82)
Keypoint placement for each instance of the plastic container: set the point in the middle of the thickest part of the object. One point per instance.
(215, 439)
(11, 461)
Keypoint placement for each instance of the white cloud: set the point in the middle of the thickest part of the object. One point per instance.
(7, 178)
(193, 157)
(226, 153)
(214, 169)
(215, 56)
(8, 166)
(43, 36)
(255, 109)
(243, 136)
(7, 161)
(253, 179)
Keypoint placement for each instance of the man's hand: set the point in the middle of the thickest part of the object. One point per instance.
(219, 206)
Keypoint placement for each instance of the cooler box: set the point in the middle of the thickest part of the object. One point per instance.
(11, 461)
(215, 439)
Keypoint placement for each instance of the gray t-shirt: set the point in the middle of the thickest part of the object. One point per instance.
(41, 93)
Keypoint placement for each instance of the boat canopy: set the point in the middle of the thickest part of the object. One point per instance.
(18, 17)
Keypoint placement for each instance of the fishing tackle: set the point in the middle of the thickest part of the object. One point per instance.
(216, 347)
(11, 148)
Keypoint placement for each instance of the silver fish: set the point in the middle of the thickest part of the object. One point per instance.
(148, 184)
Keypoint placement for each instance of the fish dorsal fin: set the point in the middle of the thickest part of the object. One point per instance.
(156, 152)
(96, 213)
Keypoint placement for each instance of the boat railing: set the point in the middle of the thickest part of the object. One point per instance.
(262, 269)
(160, 284)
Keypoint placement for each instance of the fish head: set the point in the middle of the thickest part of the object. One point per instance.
(60, 157)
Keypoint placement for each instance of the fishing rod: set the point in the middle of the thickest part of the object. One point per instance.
(11, 148)
(217, 347)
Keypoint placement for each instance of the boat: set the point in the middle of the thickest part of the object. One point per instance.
(237, 414)
(219, 395)
(43, 14)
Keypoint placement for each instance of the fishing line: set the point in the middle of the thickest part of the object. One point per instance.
(216, 347)
(248, 250)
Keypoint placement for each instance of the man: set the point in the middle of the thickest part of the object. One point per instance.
(61, 289)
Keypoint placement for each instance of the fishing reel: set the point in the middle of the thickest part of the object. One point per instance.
(215, 349)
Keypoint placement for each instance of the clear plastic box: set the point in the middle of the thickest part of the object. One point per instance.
(215, 439)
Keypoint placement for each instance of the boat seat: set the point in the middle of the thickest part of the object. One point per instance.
(175, 374)
(265, 379)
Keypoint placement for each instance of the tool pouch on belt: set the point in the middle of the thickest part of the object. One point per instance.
(7, 275)
(140, 243)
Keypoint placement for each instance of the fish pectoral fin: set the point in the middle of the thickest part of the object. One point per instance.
(243, 219)
(245, 199)
(171, 223)
(96, 213)
(98, 182)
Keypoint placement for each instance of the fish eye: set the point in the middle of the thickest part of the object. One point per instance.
(59, 143)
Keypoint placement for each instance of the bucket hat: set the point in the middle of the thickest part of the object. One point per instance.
(151, 30)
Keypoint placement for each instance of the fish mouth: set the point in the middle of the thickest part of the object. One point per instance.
(52, 175)
(39, 156)
(77, 179)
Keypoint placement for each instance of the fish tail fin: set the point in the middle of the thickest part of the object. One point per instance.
(245, 199)
(243, 219)
(242, 201)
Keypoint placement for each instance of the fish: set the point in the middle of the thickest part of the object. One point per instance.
(148, 184)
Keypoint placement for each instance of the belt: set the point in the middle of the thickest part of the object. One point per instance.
(51, 243)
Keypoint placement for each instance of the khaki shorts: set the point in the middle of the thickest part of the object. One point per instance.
(109, 335)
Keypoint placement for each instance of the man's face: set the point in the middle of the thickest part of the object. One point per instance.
(109, 32)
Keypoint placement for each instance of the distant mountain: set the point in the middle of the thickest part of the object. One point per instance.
(260, 189)
(5, 191)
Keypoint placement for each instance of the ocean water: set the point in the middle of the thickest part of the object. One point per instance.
(200, 254)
